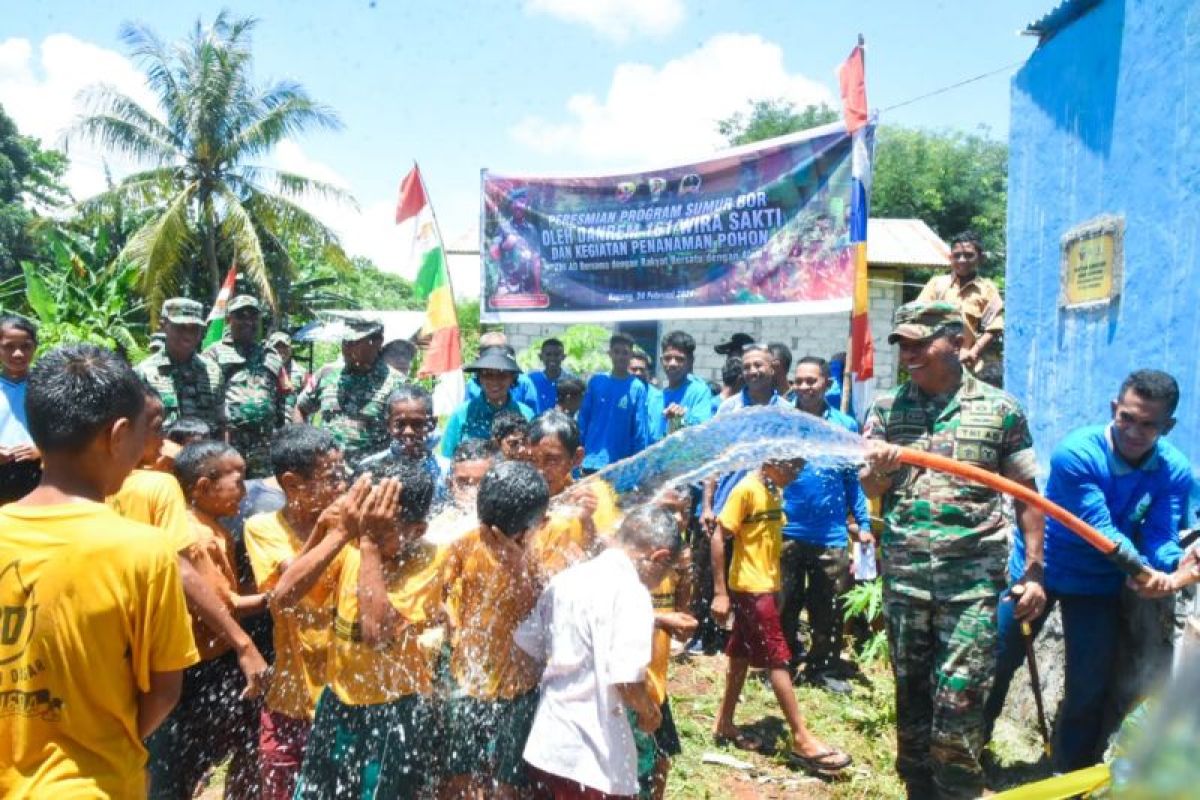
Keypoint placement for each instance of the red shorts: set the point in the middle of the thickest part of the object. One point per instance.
(561, 788)
(281, 741)
(757, 631)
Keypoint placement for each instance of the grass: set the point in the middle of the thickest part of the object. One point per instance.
(863, 724)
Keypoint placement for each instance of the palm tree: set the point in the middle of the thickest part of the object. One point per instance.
(212, 204)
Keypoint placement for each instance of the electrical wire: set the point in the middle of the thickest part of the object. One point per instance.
(952, 86)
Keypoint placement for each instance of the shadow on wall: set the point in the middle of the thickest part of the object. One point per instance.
(1084, 100)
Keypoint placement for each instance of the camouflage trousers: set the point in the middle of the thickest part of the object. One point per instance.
(255, 447)
(943, 657)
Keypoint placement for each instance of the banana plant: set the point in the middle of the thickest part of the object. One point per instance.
(79, 297)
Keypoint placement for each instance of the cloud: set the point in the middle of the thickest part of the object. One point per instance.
(670, 113)
(614, 19)
(39, 89)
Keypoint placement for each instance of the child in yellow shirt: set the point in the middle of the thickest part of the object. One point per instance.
(374, 734)
(581, 514)
(213, 720)
(671, 599)
(307, 463)
(489, 586)
(96, 633)
(753, 518)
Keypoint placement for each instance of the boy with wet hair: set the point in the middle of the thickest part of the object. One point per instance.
(592, 628)
(375, 729)
(510, 434)
(410, 420)
(753, 517)
(104, 591)
(308, 466)
(488, 587)
(472, 459)
(214, 719)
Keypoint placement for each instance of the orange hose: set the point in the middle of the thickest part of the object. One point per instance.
(920, 458)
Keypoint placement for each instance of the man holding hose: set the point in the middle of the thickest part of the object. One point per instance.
(1130, 484)
(944, 547)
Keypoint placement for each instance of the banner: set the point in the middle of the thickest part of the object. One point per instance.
(761, 230)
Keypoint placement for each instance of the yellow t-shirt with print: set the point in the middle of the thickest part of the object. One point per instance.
(663, 597)
(303, 632)
(155, 498)
(566, 538)
(485, 602)
(92, 606)
(754, 515)
(363, 675)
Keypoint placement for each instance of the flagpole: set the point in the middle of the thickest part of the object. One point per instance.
(851, 368)
(438, 229)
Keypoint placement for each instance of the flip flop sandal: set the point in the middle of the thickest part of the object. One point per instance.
(742, 741)
(820, 763)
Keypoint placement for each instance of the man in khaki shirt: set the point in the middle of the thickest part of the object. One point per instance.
(978, 299)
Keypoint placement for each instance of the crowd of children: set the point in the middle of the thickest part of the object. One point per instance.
(478, 626)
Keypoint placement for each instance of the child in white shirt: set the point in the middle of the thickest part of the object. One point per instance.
(592, 627)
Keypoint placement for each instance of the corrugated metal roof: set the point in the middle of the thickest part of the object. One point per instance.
(1059, 17)
(905, 242)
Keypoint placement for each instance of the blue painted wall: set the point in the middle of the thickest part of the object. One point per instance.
(1106, 120)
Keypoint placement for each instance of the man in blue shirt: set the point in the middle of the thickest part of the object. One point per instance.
(545, 380)
(496, 371)
(523, 389)
(687, 399)
(1130, 484)
(815, 559)
(612, 419)
(639, 367)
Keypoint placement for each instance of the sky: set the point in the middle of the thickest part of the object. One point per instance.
(523, 87)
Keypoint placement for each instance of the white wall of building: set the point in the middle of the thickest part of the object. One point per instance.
(818, 334)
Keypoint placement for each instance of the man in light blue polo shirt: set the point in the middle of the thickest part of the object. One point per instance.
(815, 558)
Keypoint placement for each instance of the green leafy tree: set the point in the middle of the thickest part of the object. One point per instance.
(585, 348)
(951, 180)
(30, 178)
(214, 204)
(767, 119)
(85, 297)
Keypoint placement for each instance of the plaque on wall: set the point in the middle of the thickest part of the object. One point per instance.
(1093, 261)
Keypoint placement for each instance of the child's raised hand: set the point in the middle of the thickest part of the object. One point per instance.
(378, 514)
(341, 517)
(581, 498)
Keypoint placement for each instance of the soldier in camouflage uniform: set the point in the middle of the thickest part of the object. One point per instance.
(190, 386)
(281, 343)
(352, 396)
(944, 548)
(252, 385)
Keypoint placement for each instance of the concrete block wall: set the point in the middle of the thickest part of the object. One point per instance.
(817, 334)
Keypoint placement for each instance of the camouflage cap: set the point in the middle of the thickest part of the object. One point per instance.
(922, 320)
(244, 301)
(182, 311)
(278, 338)
(358, 329)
